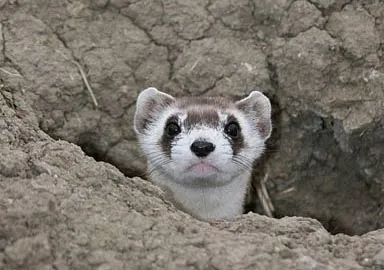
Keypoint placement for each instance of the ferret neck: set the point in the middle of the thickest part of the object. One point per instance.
(213, 202)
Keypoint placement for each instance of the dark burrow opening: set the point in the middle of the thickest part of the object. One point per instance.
(92, 144)
(336, 194)
(326, 183)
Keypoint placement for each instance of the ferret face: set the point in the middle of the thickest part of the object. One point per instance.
(201, 141)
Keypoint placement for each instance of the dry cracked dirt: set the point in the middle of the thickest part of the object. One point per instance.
(70, 192)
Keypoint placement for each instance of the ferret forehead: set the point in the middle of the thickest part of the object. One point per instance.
(214, 102)
(201, 116)
(203, 111)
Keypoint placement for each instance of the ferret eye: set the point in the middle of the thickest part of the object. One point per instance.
(232, 129)
(172, 129)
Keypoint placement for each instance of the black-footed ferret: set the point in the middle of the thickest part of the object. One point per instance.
(200, 150)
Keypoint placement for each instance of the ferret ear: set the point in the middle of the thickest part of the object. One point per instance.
(149, 103)
(258, 108)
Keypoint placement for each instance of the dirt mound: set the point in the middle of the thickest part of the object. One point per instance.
(60, 209)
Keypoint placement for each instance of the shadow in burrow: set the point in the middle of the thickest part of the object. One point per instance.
(331, 189)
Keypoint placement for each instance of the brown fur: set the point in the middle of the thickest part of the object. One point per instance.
(202, 115)
(214, 102)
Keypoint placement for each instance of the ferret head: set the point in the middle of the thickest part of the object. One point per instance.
(201, 141)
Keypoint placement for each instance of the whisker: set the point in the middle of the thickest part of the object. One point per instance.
(242, 165)
(157, 166)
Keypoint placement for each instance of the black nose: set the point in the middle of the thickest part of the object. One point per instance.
(202, 148)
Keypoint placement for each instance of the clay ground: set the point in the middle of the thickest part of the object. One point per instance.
(319, 61)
